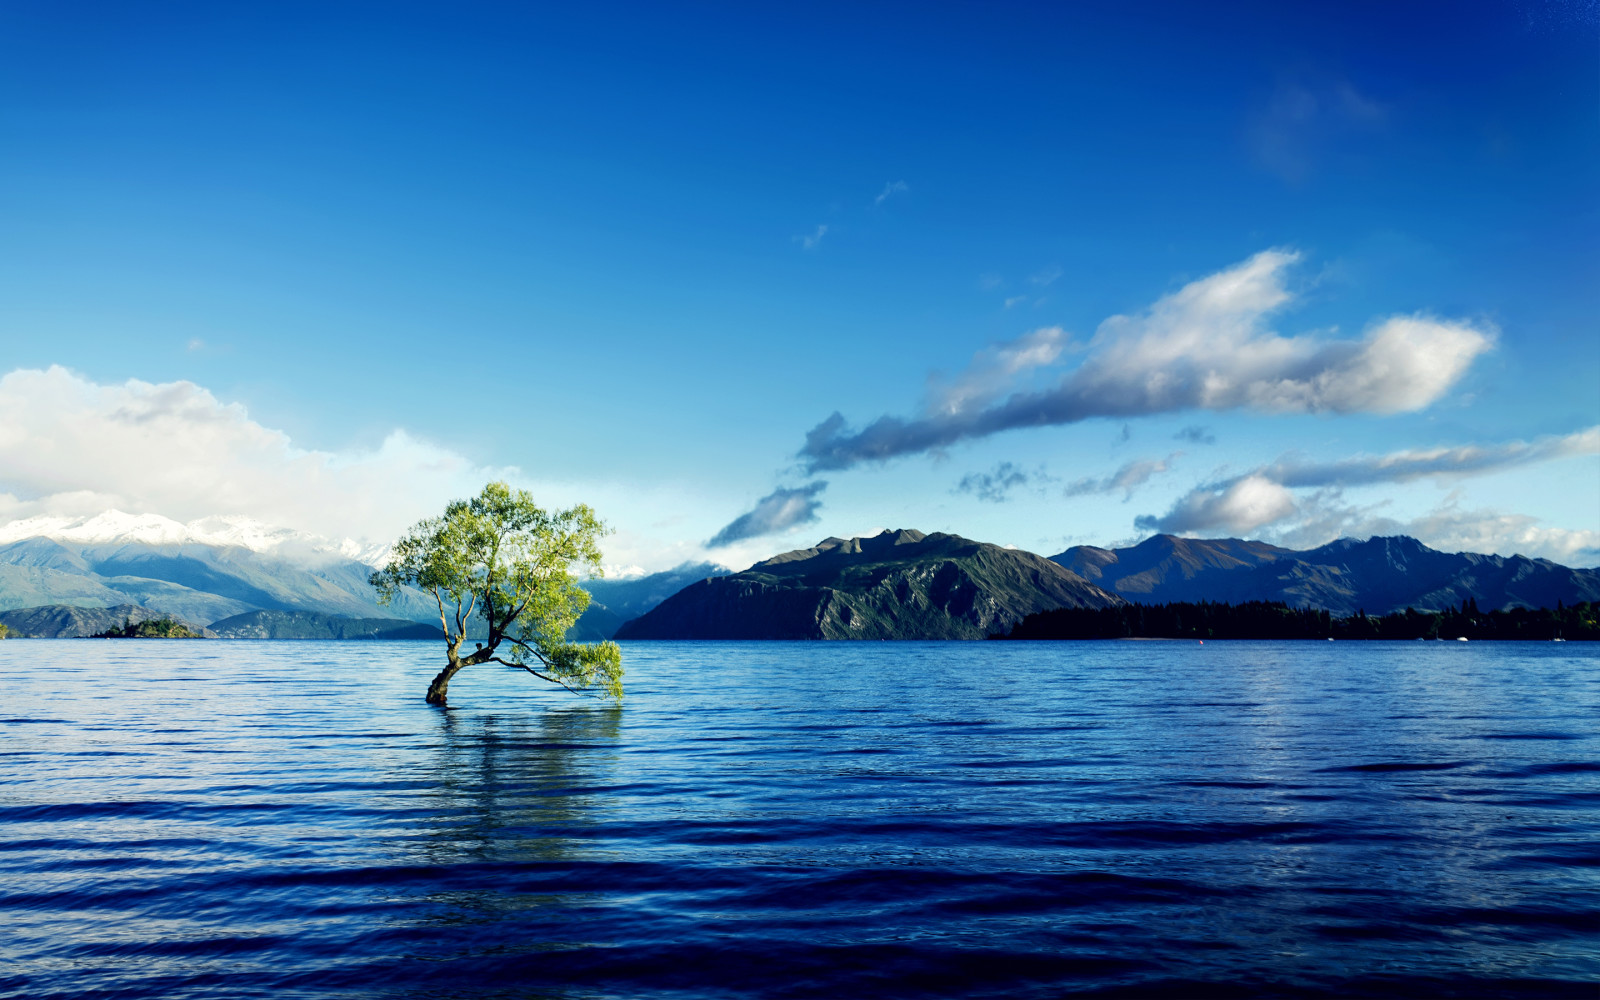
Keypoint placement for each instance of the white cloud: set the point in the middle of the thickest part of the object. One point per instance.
(812, 241)
(994, 370)
(72, 447)
(1046, 276)
(1448, 527)
(1262, 503)
(1409, 464)
(1204, 347)
(1240, 508)
(890, 190)
(1207, 347)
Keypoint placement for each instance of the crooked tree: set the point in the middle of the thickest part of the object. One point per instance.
(500, 563)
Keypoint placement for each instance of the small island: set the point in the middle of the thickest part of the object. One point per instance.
(150, 628)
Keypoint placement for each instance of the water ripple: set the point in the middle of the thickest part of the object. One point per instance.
(781, 820)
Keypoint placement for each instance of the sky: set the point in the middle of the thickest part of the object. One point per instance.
(742, 279)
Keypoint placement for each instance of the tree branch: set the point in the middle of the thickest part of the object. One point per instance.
(444, 623)
(542, 677)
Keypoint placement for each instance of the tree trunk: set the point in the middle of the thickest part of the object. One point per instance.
(440, 687)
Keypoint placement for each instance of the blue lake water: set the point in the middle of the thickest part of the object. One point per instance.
(252, 819)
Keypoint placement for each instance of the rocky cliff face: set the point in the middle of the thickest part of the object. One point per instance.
(898, 585)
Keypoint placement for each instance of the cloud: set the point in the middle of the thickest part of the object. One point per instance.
(889, 191)
(812, 241)
(996, 486)
(1452, 529)
(1126, 479)
(1015, 300)
(1263, 499)
(73, 447)
(1046, 276)
(1407, 465)
(1196, 434)
(779, 510)
(1448, 527)
(995, 369)
(1236, 509)
(1204, 347)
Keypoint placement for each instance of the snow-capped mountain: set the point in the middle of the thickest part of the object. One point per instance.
(202, 571)
(115, 527)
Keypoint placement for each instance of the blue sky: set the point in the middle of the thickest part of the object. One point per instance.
(349, 260)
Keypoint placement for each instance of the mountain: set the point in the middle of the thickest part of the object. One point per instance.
(218, 569)
(201, 572)
(60, 621)
(310, 625)
(897, 585)
(117, 527)
(1378, 575)
(617, 601)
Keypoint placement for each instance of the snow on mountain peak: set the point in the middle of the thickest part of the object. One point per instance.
(119, 527)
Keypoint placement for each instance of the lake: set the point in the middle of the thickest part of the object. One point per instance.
(288, 819)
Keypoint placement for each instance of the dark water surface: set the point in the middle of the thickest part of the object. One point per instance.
(251, 819)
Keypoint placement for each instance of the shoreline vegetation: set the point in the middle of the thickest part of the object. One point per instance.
(1276, 620)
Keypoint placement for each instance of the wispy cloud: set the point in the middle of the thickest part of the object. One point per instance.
(780, 510)
(1204, 347)
(1324, 515)
(1046, 276)
(889, 191)
(1196, 434)
(1125, 480)
(1264, 497)
(1404, 466)
(812, 241)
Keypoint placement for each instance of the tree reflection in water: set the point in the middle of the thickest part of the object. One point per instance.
(494, 868)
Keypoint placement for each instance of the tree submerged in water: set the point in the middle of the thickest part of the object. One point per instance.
(502, 559)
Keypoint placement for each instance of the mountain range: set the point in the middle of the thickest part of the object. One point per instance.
(1347, 576)
(200, 583)
(616, 601)
(242, 579)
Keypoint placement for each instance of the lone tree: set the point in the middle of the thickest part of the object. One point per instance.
(502, 559)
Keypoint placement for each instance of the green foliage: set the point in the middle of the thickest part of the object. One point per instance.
(150, 628)
(5, 633)
(502, 560)
(1275, 620)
